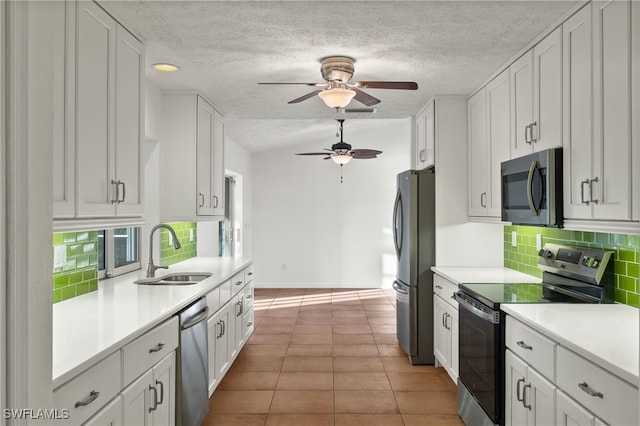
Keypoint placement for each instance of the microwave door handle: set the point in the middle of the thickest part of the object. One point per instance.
(396, 206)
(532, 169)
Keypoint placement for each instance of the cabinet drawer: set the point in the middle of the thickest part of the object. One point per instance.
(225, 292)
(247, 323)
(248, 273)
(607, 396)
(248, 297)
(535, 349)
(445, 289)
(148, 349)
(213, 300)
(92, 389)
(237, 283)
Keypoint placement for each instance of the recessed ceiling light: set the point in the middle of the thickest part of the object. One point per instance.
(165, 67)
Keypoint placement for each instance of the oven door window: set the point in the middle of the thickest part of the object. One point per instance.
(479, 359)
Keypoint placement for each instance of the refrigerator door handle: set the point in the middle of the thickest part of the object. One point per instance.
(398, 287)
(397, 206)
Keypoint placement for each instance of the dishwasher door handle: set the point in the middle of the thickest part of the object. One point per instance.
(201, 316)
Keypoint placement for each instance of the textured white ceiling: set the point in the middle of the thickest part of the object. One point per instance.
(226, 47)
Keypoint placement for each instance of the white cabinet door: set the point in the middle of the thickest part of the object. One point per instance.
(521, 74)
(540, 398)
(204, 171)
(223, 341)
(455, 344)
(129, 121)
(442, 336)
(421, 143)
(613, 153)
(236, 310)
(217, 165)
(95, 85)
(109, 415)
(570, 413)
(136, 399)
(430, 135)
(164, 392)
(214, 327)
(515, 379)
(478, 147)
(499, 133)
(546, 130)
(577, 113)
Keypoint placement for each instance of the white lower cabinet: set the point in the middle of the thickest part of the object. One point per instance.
(530, 398)
(110, 415)
(222, 340)
(445, 322)
(570, 413)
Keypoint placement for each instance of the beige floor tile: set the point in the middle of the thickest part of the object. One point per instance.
(355, 350)
(324, 320)
(324, 313)
(269, 339)
(358, 364)
(427, 402)
(300, 420)
(380, 314)
(257, 363)
(432, 420)
(240, 402)
(385, 339)
(301, 380)
(402, 365)
(390, 350)
(368, 420)
(273, 329)
(310, 350)
(360, 381)
(312, 329)
(348, 321)
(215, 419)
(383, 329)
(265, 350)
(382, 321)
(308, 363)
(302, 402)
(249, 380)
(280, 312)
(419, 382)
(344, 307)
(311, 339)
(349, 314)
(267, 320)
(351, 329)
(365, 402)
(353, 339)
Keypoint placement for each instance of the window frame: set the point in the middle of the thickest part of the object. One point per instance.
(110, 270)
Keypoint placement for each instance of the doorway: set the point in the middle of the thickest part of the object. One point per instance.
(229, 236)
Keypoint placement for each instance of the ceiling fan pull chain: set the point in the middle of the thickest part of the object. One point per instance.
(340, 173)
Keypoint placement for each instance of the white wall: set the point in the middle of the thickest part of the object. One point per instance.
(151, 152)
(310, 230)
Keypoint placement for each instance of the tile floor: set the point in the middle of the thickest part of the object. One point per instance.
(329, 357)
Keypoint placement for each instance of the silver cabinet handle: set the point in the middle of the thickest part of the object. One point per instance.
(157, 348)
(531, 127)
(523, 345)
(224, 327)
(215, 201)
(124, 192)
(585, 387)
(444, 318)
(526, 134)
(591, 189)
(201, 195)
(219, 334)
(93, 395)
(249, 324)
(155, 398)
(520, 382)
(239, 282)
(158, 382)
(250, 273)
(524, 396)
(249, 297)
(117, 184)
(582, 184)
(483, 197)
(439, 286)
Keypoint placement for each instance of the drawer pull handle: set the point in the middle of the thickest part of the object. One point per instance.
(439, 286)
(249, 273)
(93, 395)
(523, 345)
(249, 324)
(158, 348)
(238, 282)
(520, 381)
(585, 387)
(249, 297)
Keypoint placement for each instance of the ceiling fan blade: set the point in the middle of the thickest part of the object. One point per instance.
(402, 85)
(305, 97)
(365, 98)
(364, 152)
(312, 153)
(303, 84)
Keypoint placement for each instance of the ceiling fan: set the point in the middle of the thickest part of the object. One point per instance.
(341, 152)
(337, 92)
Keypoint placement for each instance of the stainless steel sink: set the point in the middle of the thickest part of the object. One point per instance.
(179, 278)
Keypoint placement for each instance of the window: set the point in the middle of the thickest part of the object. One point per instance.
(118, 251)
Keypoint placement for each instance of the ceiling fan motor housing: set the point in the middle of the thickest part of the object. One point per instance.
(341, 147)
(337, 69)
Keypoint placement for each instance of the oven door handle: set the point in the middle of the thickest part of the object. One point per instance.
(532, 207)
(486, 314)
(397, 287)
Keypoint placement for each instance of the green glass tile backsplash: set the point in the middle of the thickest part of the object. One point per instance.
(79, 274)
(524, 257)
(187, 235)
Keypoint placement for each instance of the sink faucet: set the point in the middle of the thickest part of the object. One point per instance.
(151, 268)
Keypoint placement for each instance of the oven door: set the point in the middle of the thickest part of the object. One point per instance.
(480, 353)
(532, 189)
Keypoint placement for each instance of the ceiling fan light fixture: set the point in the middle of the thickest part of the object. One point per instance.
(337, 97)
(341, 158)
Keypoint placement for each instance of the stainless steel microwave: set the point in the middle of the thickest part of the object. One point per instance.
(532, 189)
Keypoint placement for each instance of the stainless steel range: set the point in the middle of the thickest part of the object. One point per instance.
(570, 275)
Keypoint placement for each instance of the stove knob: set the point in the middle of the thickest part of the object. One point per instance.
(549, 254)
(541, 253)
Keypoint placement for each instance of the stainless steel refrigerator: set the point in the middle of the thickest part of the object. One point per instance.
(414, 238)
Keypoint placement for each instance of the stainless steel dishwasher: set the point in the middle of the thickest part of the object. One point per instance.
(192, 402)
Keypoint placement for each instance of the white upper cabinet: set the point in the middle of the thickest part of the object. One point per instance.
(477, 139)
(600, 142)
(425, 137)
(192, 159)
(536, 97)
(104, 104)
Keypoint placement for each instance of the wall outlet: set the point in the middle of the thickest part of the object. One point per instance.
(191, 235)
(538, 242)
(59, 256)
(514, 239)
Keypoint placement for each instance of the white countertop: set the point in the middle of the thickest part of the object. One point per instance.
(481, 274)
(605, 334)
(87, 328)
